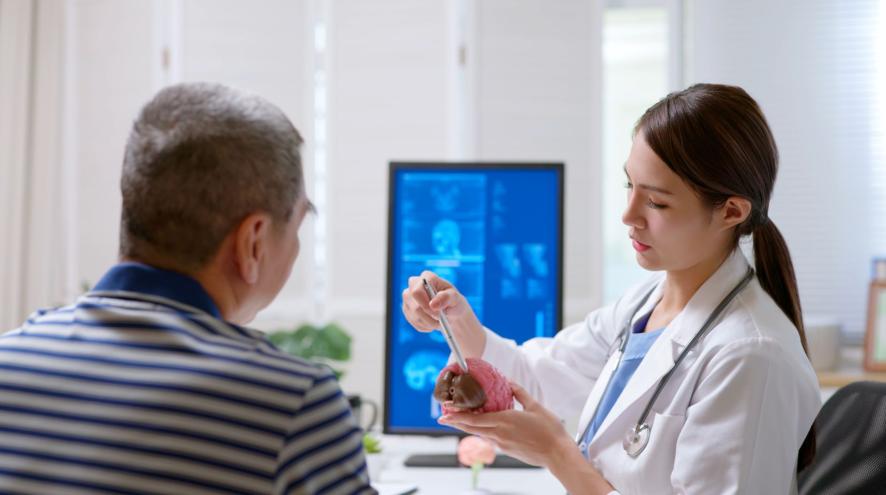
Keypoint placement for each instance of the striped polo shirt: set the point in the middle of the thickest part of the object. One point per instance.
(140, 387)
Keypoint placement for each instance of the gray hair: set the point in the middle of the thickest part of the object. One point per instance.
(200, 158)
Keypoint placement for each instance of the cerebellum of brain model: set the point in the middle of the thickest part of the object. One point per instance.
(482, 389)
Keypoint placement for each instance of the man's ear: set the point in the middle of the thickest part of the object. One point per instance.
(250, 245)
(734, 211)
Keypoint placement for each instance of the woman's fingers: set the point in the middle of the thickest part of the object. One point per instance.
(415, 292)
(445, 299)
(418, 317)
(450, 406)
(484, 420)
(419, 309)
(439, 284)
(446, 292)
(485, 432)
(415, 306)
(522, 396)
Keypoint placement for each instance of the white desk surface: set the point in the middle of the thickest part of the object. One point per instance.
(387, 467)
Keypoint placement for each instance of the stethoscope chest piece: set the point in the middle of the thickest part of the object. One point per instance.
(636, 439)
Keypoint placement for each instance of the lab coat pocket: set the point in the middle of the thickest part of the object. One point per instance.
(650, 472)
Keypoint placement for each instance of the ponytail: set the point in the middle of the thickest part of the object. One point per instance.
(716, 138)
(775, 272)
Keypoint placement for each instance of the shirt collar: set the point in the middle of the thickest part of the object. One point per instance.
(146, 279)
(640, 325)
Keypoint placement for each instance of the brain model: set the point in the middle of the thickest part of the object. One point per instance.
(482, 389)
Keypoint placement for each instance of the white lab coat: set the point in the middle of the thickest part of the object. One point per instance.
(730, 420)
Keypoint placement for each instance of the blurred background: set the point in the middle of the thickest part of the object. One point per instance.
(493, 80)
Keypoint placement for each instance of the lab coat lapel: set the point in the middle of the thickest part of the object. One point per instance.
(606, 373)
(596, 394)
(657, 362)
(674, 339)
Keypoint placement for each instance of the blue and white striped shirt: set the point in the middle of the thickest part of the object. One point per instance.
(140, 387)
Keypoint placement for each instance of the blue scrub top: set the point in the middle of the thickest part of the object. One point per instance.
(638, 345)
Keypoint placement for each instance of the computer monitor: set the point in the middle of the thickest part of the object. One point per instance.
(495, 230)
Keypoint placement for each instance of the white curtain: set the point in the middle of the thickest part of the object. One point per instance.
(538, 93)
(817, 69)
(73, 76)
(32, 255)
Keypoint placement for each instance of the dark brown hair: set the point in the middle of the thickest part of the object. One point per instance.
(716, 138)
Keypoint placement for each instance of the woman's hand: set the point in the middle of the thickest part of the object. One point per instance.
(421, 312)
(535, 436)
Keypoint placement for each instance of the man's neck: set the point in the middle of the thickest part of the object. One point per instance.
(221, 293)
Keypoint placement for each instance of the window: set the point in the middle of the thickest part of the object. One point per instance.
(635, 73)
(817, 69)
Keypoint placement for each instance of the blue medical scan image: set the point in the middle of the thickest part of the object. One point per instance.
(421, 369)
(495, 233)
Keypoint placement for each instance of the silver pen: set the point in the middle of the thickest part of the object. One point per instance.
(447, 332)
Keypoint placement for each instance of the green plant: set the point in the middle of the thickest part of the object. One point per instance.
(371, 444)
(329, 344)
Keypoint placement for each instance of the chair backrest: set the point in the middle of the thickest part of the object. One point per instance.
(851, 450)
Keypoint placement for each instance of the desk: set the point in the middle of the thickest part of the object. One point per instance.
(848, 370)
(388, 467)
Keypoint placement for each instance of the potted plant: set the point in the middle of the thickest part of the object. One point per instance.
(329, 345)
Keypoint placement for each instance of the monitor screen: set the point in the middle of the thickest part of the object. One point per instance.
(493, 230)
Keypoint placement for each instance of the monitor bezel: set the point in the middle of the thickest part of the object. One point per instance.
(390, 313)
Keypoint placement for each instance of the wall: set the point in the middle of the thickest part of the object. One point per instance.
(818, 86)
(402, 79)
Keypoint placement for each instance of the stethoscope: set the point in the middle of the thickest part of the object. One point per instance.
(637, 437)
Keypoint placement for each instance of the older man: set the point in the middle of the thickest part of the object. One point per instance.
(149, 383)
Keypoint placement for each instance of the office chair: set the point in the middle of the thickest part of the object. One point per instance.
(851, 450)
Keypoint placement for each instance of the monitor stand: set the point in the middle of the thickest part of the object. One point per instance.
(451, 461)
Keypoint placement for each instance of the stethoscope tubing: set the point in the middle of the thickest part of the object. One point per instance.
(708, 325)
(625, 334)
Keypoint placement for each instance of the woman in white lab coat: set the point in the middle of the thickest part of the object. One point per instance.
(735, 415)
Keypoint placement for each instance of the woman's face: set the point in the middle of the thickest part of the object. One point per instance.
(670, 227)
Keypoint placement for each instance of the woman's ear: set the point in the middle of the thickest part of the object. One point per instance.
(734, 211)
(250, 245)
